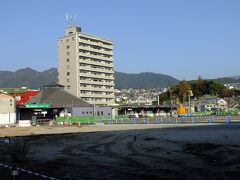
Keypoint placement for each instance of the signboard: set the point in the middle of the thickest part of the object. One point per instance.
(38, 105)
(44, 112)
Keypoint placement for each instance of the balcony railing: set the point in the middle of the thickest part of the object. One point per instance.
(95, 43)
(97, 89)
(96, 69)
(89, 95)
(97, 82)
(97, 63)
(101, 51)
(96, 56)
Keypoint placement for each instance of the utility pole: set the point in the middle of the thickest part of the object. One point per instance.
(170, 101)
(189, 101)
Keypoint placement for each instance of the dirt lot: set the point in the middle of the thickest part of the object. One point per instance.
(130, 151)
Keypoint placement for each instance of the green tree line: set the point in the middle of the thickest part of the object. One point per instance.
(198, 88)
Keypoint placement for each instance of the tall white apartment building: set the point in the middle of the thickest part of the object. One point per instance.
(85, 66)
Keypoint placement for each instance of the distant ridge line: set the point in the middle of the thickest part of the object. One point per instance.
(33, 79)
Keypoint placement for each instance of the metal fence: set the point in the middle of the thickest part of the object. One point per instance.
(148, 120)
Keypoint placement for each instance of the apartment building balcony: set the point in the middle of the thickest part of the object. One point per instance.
(100, 44)
(89, 75)
(96, 69)
(98, 83)
(96, 56)
(89, 95)
(89, 88)
(97, 63)
(101, 51)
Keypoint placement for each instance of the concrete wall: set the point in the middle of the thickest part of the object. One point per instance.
(68, 63)
(89, 111)
(7, 109)
(82, 111)
(103, 111)
(7, 104)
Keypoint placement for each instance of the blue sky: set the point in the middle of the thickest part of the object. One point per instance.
(181, 38)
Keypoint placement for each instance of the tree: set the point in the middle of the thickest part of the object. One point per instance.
(184, 87)
(199, 88)
(226, 93)
(163, 97)
(200, 85)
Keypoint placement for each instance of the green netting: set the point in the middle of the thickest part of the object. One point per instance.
(227, 112)
(127, 120)
(84, 119)
(206, 113)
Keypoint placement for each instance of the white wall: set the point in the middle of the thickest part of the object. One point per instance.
(7, 118)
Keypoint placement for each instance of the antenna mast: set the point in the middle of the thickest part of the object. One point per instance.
(71, 22)
(75, 20)
(67, 20)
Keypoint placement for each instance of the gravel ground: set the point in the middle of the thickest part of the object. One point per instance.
(129, 151)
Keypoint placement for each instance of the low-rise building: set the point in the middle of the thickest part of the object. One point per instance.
(23, 97)
(144, 110)
(221, 104)
(7, 109)
(53, 101)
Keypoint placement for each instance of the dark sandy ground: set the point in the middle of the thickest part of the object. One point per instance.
(184, 152)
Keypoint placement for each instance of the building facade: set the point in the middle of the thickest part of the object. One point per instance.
(7, 109)
(85, 66)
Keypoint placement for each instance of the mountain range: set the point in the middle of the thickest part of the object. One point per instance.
(27, 78)
(33, 79)
(144, 80)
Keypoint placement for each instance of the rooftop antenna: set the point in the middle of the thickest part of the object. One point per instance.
(71, 23)
(75, 20)
(67, 20)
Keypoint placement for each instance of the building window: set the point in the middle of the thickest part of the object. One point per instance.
(67, 46)
(67, 60)
(68, 73)
(68, 86)
(73, 38)
(68, 67)
(68, 53)
(68, 80)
